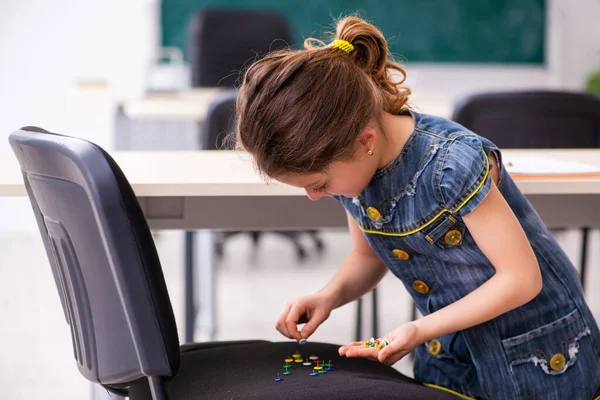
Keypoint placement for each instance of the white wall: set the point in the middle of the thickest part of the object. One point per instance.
(45, 46)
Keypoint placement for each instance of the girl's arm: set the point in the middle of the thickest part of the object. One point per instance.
(517, 281)
(360, 272)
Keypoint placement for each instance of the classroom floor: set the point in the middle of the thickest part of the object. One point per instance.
(253, 287)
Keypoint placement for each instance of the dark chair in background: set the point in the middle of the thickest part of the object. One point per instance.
(535, 119)
(222, 42)
(115, 299)
(218, 125)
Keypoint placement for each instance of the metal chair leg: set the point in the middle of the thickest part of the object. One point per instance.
(584, 250)
(190, 307)
(358, 335)
(375, 324)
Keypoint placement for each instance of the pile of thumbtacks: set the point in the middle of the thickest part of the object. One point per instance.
(320, 367)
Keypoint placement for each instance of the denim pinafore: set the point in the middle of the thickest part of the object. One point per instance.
(411, 214)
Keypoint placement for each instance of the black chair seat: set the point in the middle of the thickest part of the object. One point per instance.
(247, 370)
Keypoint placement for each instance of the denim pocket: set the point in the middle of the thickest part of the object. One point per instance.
(558, 357)
(446, 232)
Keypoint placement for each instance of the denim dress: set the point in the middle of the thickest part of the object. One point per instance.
(411, 214)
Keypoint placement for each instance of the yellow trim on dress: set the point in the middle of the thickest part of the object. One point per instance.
(425, 225)
(462, 396)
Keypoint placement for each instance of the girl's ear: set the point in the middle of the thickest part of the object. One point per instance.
(366, 139)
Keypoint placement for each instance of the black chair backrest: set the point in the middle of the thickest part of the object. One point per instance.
(222, 42)
(534, 119)
(103, 259)
(219, 122)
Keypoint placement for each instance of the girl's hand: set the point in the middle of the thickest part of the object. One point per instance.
(402, 341)
(311, 310)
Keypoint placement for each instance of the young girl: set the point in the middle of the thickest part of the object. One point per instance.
(504, 313)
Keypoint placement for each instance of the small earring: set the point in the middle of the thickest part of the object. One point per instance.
(370, 152)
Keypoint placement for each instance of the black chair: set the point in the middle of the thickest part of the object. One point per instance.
(115, 300)
(218, 126)
(222, 42)
(535, 119)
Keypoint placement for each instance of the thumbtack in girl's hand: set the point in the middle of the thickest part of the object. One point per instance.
(402, 341)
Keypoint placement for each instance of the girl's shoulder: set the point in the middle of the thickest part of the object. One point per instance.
(461, 167)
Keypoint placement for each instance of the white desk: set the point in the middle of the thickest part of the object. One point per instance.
(221, 190)
(191, 105)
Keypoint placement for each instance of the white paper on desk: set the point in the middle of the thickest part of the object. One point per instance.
(535, 165)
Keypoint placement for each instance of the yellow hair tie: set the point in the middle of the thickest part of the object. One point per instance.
(343, 45)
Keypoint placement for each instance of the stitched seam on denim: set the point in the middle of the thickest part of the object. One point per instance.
(437, 173)
(389, 232)
(527, 336)
(540, 351)
(444, 225)
(474, 192)
(432, 275)
(569, 340)
(498, 156)
(412, 249)
(428, 152)
(474, 188)
(430, 133)
(442, 162)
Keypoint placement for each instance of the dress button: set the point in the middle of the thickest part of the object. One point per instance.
(557, 362)
(434, 347)
(400, 254)
(453, 237)
(374, 213)
(421, 287)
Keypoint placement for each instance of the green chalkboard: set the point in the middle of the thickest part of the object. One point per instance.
(470, 31)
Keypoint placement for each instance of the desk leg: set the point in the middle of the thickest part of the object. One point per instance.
(206, 284)
(190, 298)
(199, 285)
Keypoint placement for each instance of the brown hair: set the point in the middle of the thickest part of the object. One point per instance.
(297, 111)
